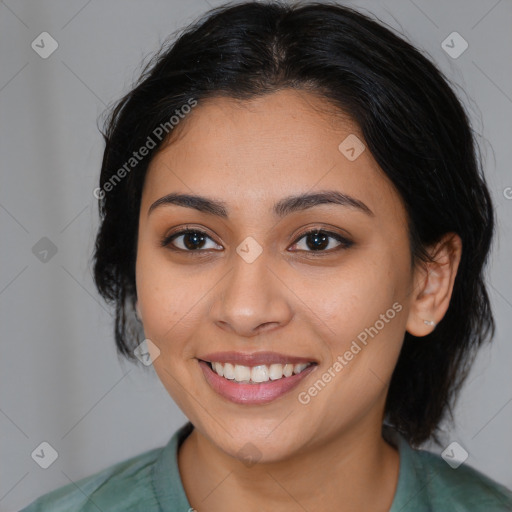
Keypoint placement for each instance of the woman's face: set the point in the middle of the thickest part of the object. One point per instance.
(255, 292)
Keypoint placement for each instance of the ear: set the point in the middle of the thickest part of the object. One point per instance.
(137, 311)
(433, 286)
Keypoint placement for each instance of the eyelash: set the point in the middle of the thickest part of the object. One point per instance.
(344, 242)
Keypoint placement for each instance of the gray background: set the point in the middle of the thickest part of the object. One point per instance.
(61, 381)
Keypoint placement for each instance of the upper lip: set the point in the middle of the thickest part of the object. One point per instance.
(254, 359)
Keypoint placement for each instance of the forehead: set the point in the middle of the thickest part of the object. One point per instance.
(253, 152)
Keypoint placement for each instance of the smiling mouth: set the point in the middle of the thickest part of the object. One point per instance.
(257, 374)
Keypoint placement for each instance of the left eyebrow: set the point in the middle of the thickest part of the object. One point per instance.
(304, 201)
(282, 208)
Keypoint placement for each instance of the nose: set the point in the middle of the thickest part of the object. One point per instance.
(252, 299)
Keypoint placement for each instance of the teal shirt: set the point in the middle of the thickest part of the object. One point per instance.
(150, 482)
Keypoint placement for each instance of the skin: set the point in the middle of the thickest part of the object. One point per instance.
(329, 453)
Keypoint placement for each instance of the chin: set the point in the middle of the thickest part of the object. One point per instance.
(262, 441)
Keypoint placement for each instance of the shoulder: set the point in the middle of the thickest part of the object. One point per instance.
(461, 489)
(117, 487)
(427, 483)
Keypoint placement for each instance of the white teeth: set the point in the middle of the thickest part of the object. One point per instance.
(260, 373)
(219, 369)
(275, 372)
(242, 373)
(288, 370)
(299, 367)
(229, 370)
(257, 374)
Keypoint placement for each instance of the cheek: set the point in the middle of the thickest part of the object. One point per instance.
(363, 315)
(169, 311)
(353, 298)
(164, 296)
(363, 328)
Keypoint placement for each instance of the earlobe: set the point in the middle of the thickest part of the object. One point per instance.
(434, 285)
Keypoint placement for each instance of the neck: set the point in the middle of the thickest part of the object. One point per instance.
(352, 471)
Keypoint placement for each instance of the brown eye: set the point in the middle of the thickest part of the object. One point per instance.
(322, 241)
(190, 240)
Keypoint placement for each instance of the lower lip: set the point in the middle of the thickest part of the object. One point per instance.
(251, 394)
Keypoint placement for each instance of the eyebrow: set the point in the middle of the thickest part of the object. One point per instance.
(282, 208)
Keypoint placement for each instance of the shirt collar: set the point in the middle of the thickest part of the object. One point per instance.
(166, 478)
(413, 482)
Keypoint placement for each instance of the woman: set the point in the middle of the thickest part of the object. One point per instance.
(294, 218)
